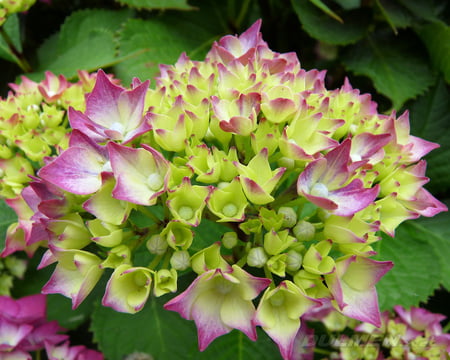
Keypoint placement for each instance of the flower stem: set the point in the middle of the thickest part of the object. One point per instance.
(20, 59)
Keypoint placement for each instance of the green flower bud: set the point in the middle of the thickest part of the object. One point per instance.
(277, 242)
(398, 351)
(117, 256)
(304, 231)
(229, 240)
(251, 226)
(293, 260)
(15, 266)
(277, 264)
(157, 244)
(104, 234)
(270, 219)
(316, 259)
(350, 350)
(180, 260)
(257, 257)
(209, 258)
(371, 351)
(419, 344)
(69, 232)
(289, 216)
(165, 281)
(178, 235)
(6, 283)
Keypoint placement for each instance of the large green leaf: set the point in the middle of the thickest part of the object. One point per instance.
(429, 10)
(397, 14)
(437, 232)
(7, 217)
(436, 37)
(396, 71)
(166, 336)
(87, 40)
(430, 119)
(320, 26)
(159, 42)
(157, 4)
(417, 268)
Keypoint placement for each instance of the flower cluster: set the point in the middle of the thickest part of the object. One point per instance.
(24, 329)
(34, 125)
(404, 334)
(301, 177)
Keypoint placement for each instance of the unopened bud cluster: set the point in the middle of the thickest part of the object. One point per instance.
(238, 165)
(414, 333)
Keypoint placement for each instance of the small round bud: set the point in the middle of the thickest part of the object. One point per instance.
(293, 260)
(186, 212)
(155, 182)
(180, 260)
(289, 216)
(230, 210)
(229, 239)
(304, 231)
(157, 244)
(257, 257)
(319, 190)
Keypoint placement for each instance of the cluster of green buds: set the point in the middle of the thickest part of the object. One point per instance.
(11, 268)
(8, 7)
(34, 125)
(404, 334)
(242, 168)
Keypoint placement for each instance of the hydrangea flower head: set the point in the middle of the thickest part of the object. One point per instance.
(304, 177)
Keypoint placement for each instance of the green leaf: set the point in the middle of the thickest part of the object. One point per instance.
(11, 28)
(430, 119)
(166, 336)
(157, 4)
(349, 4)
(326, 10)
(87, 40)
(318, 25)
(437, 232)
(397, 72)
(428, 10)
(436, 37)
(416, 272)
(7, 217)
(158, 42)
(398, 14)
(207, 233)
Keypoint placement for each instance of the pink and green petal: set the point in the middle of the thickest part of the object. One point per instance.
(75, 275)
(141, 174)
(128, 288)
(353, 287)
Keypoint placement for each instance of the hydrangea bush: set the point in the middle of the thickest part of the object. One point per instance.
(298, 182)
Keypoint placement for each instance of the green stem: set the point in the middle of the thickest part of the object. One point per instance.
(269, 276)
(154, 263)
(20, 59)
